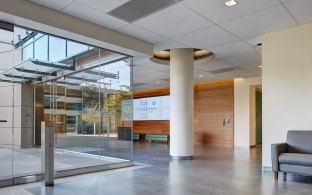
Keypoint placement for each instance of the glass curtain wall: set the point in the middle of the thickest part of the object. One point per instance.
(93, 114)
(84, 90)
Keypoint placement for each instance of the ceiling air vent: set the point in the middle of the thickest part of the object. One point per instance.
(137, 9)
(223, 70)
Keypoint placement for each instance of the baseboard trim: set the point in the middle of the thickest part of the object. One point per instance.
(181, 157)
(242, 146)
(266, 169)
(245, 146)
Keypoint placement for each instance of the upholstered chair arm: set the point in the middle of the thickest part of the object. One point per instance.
(276, 150)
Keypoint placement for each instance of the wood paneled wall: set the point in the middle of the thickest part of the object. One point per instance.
(152, 127)
(213, 102)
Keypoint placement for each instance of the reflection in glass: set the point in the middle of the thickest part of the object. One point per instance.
(74, 48)
(57, 49)
(28, 50)
(91, 108)
(41, 49)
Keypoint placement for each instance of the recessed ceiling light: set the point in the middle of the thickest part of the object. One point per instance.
(200, 76)
(230, 3)
(157, 82)
(260, 66)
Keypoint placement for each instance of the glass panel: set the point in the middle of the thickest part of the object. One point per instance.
(28, 50)
(90, 117)
(75, 141)
(117, 110)
(26, 157)
(74, 48)
(57, 49)
(92, 109)
(41, 47)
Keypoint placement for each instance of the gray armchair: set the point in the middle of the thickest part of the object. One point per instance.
(294, 156)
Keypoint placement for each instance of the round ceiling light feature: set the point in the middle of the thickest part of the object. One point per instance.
(163, 57)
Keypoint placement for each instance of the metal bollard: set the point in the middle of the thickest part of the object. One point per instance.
(47, 152)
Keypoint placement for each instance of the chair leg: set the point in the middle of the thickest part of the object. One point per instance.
(276, 176)
(284, 176)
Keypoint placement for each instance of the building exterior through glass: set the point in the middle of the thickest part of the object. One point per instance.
(84, 90)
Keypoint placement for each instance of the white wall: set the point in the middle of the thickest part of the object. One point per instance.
(244, 111)
(6, 97)
(287, 85)
(15, 107)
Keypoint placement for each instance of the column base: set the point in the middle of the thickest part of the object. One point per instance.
(181, 157)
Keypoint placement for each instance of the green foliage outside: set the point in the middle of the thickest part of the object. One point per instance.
(113, 104)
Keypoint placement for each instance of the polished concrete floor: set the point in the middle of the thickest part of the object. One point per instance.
(71, 152)
(215, 170)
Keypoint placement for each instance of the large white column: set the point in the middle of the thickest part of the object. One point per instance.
(181, 103)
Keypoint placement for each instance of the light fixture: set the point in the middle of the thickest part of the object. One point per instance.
(260, 66)
(199, 55)
(200, 76)
(230, 3)
(157, 82)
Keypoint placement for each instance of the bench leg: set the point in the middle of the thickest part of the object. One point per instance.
(276, 176)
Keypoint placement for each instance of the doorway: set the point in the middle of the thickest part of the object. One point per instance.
(258, 116)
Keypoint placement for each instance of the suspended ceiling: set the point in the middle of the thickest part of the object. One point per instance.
(232, 33)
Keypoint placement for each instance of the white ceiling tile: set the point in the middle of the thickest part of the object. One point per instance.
(205, 75)
(173, 21)
(140, 70)
(158, 75)
(206, 38)
(301, 10)
(103, 5)
(155, 66)
(86, 13)
(245, 59)
(213, 65)
(55, 4)
(140, 78)
(167, 44)
(254, 40)
(285, 1)
(237, 74)
(253, 68)
(231, 49)
(151, 75)
(139, 60)
(140, 33)
(216, 11)
(261, 22)
(157, 82)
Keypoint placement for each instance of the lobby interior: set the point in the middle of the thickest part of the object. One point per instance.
(158, 97)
